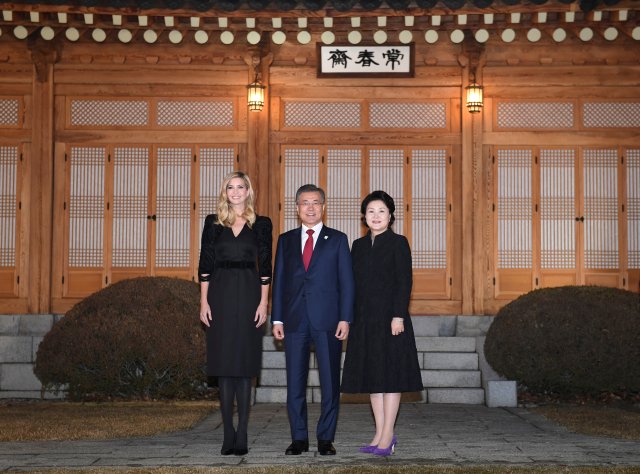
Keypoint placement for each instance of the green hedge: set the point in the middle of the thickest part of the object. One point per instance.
(569, 340)
(138, 338)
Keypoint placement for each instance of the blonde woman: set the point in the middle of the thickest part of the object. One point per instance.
(235, 273)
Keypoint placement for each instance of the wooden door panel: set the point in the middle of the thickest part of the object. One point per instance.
(513, 216)
(632, 212)
(430, 284)
(552, 278)
(82, 282)
(609, 278)
(511, 283)
(130, 212)
(557, 225)
(85, 220)
(301, 165)
(10, 179)
(344, 185)
(429, 232)
(600, 216)
(173, 208)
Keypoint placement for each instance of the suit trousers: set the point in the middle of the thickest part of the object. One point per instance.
(297, 351)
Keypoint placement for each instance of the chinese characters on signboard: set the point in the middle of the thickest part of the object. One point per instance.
(349, 61)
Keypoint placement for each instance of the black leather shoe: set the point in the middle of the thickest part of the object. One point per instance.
(240, 451)
(325, 448)
(298, 446)
(227, 451)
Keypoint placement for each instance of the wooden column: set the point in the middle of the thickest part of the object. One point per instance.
(479, 182)
(40, 180)
(258, 132)
(467, 192)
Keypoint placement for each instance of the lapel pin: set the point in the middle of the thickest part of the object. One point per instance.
(326, 237)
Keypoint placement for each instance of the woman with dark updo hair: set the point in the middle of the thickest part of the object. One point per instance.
(381, 358)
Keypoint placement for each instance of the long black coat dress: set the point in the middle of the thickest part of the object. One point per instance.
(376, 361)
(233, 266)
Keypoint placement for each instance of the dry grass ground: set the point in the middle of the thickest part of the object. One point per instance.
(28, 421)
(599, 420)
(364, 469)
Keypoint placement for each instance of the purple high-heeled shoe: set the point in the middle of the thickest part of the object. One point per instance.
(368, 449)
(386, 451)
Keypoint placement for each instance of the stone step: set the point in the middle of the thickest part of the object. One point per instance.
(278, 378)
(430, 378)
(448, 360)
(451, 378)
(423, 344)
(470, 396)
(445, 344)
(279, 395)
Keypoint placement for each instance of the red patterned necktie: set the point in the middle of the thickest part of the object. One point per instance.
(308, 250)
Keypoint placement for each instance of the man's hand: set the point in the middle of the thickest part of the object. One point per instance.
(278, 331)
(343, 330)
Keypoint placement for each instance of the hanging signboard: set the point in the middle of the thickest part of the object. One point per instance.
(365, 61)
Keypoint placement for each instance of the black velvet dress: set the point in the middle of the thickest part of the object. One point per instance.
(376, 361)
(234, 266)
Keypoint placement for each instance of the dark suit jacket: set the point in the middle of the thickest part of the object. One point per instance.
(325, 293)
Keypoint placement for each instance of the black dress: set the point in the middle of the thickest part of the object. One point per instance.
(376, 361)
(234, 266)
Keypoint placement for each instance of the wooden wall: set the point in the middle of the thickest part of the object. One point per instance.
(48, 82)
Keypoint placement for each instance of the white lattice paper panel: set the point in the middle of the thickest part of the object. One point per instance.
(535, 115)
(8, 183)
(324, 115)
(514, 209)
(386, 174)
(173, 204)
(109, 113)
(344, 168)
(429, 205)
(86, 207)
(130, 206)
(175, 113)
(301, 166)
(633, 207)
(215, 164)
(611, 115)
(407, 115)
(9, 110)
(557, 209)
(601, 209)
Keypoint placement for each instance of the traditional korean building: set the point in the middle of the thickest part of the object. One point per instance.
(119, 119)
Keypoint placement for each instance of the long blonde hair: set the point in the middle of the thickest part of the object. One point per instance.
(226, 214)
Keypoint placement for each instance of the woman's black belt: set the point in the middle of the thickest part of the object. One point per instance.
(232, 264)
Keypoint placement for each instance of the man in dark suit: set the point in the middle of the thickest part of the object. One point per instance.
(313, 297)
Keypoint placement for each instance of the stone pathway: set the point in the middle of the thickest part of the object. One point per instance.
(427, 434)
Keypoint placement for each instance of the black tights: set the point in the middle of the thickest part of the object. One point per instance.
(238, 388)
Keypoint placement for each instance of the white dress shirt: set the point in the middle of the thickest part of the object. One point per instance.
(303, 235)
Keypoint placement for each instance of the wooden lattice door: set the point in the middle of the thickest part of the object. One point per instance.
(418, 178)
(559, 218)
(137, 210)
(10, 207)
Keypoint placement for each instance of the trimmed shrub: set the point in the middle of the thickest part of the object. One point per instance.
(138, 338)
(569, 340)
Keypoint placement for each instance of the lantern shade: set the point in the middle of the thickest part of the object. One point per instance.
(255, 96)
(474, 97)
